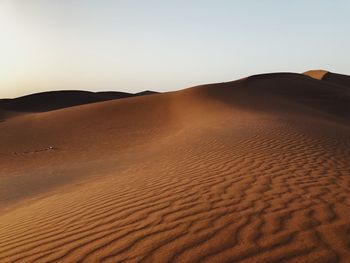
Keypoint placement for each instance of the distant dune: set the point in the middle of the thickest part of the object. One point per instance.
(339, 79)
(253, 170)
(316, 74)
(53, 100)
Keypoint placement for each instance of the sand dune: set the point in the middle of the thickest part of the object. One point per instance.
(316, 74)
(255, 170)
(53, 100)
(339, 79)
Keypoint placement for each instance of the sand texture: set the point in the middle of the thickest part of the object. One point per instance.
(255, 170)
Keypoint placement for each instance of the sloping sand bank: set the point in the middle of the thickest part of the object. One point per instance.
(256, 170)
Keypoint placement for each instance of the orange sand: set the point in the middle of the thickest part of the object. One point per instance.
(316, 74)
(256, 170)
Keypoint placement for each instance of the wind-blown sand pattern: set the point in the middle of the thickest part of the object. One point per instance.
(256, 170)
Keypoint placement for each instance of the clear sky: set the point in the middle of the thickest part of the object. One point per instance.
(163, 45)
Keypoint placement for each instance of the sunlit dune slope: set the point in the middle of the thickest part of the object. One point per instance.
(255, 170)
(316, 74)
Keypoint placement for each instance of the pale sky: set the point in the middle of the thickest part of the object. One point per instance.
(164, 45)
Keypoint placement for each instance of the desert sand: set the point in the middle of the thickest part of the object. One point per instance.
(254, 170)
(316, 74)
(54, 100)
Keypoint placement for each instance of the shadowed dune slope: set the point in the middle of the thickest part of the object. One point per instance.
(254, 170)
(339, 79)
(53, 100)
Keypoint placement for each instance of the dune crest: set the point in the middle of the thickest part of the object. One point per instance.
(255, 170)
(316, 74)
(53, 100)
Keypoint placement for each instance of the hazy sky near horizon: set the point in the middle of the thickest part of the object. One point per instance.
(164, 45)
